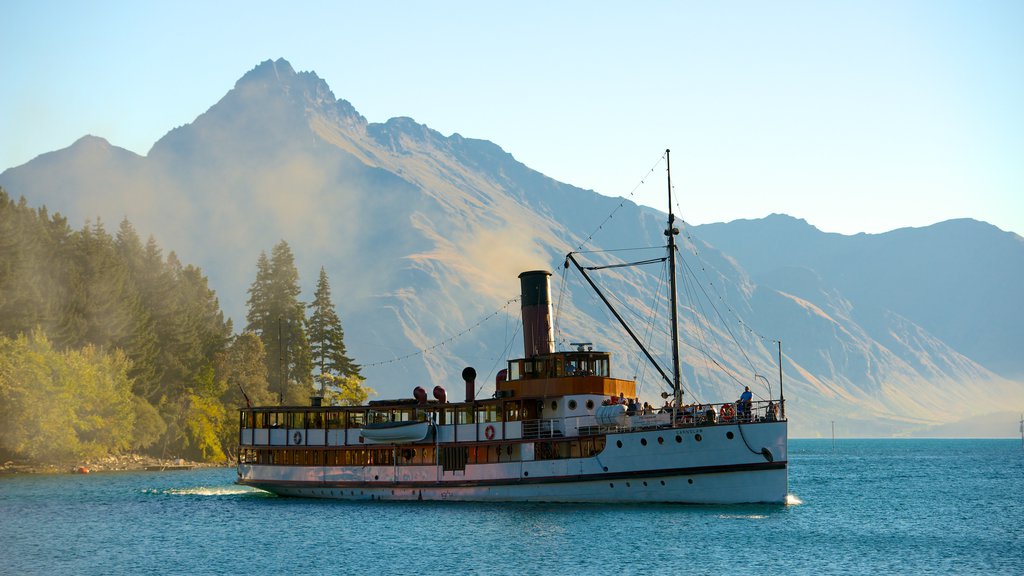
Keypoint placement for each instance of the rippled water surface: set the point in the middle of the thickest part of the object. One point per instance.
(869, 507)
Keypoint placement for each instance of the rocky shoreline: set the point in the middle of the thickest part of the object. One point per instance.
(120, 463)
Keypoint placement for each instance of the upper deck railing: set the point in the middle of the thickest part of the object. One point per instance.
(323, 434)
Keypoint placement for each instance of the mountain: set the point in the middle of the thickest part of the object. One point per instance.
(960, 280)
(423, 237)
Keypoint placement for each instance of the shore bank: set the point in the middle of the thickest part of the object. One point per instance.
(124, 462)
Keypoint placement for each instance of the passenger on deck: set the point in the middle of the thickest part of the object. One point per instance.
(744, 403)
(630, 408)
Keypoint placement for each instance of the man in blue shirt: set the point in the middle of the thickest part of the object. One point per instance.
(746, 399)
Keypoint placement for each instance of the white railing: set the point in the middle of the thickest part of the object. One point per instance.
(686, 417)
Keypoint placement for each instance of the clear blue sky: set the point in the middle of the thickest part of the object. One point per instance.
(857, 116)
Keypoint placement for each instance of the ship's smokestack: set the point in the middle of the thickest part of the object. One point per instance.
(469, 375)
(538, 336)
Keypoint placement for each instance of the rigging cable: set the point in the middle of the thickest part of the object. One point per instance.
(621, 204)
(440, 344)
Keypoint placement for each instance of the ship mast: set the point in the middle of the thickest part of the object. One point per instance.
(672, 231)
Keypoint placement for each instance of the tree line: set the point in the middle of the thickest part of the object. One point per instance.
(109, 346)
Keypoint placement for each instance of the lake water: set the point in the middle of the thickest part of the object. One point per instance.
(869, 507)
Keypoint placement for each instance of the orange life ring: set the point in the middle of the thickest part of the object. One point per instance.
(489, 432)
(726, 412)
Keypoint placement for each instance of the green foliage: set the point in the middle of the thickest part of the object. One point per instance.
(149, 426)
(63, 407)
(326, 338)
(204, 421)
(345, 390)
(107, 345)
(117, 311)
(278, 317)
(245, 372)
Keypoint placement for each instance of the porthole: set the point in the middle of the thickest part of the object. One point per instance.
(605, 468)
(662, 482)
(661, 440)
(376, 478)
(572, 404)
(645, 483)
(618, 443)
(679, 439)
(698, 437)
(643, 441)
(526, 473)
(729, 435)
(611, 485)
(590, 404)
(554, 405)
(689, 480)
(627, 484)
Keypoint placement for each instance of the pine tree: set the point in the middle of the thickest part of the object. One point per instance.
(278, 317)
(326, 337)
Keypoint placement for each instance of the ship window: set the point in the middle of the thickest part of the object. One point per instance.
(512, 411)
(315, 420)
(333, 419)
(356, 419)
(572, 404)
(487, 413)
(465, 415)
(590, 404)
(554, 405)
(276, 419)
(514, 371)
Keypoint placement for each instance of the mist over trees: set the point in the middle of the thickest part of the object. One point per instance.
(109, 346)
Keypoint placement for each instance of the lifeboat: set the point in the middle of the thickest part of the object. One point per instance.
(395, 432)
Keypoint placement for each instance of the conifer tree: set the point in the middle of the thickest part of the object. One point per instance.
(278, 317)
(326, 337)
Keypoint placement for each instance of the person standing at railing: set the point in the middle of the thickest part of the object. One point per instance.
(744, 403)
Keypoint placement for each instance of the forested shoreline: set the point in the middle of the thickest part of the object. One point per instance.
(107, 346)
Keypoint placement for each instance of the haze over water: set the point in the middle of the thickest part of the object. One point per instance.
(869, 507)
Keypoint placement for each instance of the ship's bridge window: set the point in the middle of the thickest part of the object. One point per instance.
(514, 370)
(529, 369)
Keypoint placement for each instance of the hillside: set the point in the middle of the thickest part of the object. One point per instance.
(423, 236)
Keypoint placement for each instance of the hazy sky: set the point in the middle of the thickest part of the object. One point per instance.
(857, 116)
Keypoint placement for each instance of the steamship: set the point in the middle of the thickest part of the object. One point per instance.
(554, 431)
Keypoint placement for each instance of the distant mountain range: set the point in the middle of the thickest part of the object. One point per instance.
(423, 237)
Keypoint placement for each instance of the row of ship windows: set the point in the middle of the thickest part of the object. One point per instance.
(425, 455)
(337, 419)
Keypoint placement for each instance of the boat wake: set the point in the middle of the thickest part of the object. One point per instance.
(742, 516)
(206, 491)
(792, 500)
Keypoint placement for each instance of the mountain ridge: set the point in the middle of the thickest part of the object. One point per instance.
(425, 234)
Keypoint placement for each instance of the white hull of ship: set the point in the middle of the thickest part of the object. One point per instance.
(716, 469)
